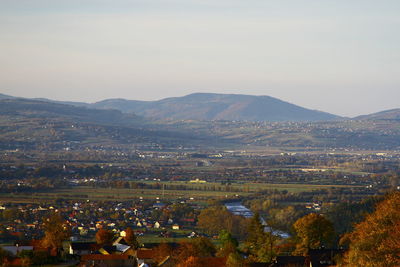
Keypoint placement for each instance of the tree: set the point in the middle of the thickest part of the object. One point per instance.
(216, 218)
(104, 237)
(204, 247)
(345, 215)
(259, 242)
(376, 240)
(198, 247)
(235, 260)
(255, 229)
(226, 237)
(228, 244)
(284, 218)
(162, 251)
(191, 261)
(227, 249)
(55, 231)
(313, 231)
(185, 250)
(131, 239)
(213, 219)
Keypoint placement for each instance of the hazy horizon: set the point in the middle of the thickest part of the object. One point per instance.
(340, 57)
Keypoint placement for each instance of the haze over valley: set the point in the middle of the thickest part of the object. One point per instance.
(183, 133)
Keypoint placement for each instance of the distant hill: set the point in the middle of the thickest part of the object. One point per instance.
(31, 108)
(204, 106)
(79, 104)
(3, 96)
(392, 114)
(29, 124)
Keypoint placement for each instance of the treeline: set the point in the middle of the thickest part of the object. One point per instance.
(342, 206)
(166, 186)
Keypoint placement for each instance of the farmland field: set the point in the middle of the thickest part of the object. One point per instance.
(196, 191)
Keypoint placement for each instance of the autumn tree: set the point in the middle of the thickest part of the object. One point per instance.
(198, 247)
(104, 237)
(192, 261)
(313, 231)
(255, 230)
(55, 231)
(234, 259)
(162, 251)
(185, 250)
(345, 215)
(216, 218)
(260, 243)
(131, 239)
(204, 247)
(376, 240)
(285, 217)
(213, 219)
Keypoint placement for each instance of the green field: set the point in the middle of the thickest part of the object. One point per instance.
(196, 191)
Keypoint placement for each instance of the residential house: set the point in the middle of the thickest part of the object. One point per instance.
(83, 248)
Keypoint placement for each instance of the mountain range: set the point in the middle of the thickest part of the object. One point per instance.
(206, 106)
(209, 107)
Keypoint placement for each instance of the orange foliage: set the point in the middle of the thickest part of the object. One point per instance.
(376, 240)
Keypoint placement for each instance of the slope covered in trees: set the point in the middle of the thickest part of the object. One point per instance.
(376, 240)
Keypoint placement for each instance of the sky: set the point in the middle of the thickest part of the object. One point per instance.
(338, 56)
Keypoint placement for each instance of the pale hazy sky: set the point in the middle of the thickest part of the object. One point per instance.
(339, 56)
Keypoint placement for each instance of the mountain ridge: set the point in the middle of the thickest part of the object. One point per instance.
(207, 106)
(390, 114)
(210, 106)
